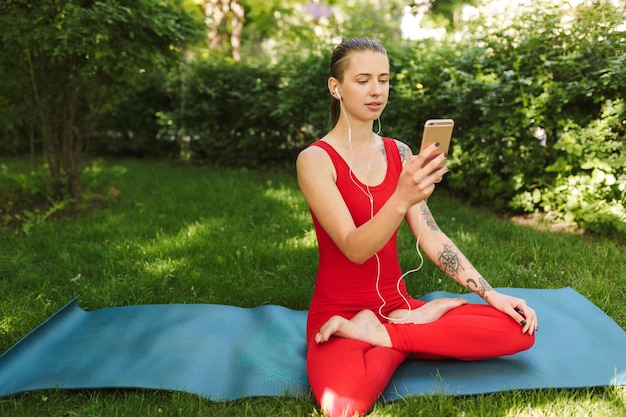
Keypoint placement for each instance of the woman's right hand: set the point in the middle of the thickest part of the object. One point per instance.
(419, 175)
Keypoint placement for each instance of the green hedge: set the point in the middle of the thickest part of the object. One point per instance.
(245, 115)
(539, 112)
(538, 109)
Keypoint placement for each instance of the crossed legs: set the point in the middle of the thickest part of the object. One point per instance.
(349, 371)
(366, 327)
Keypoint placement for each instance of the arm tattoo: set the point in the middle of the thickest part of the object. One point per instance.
(449, 261)
(480, 288)
(405, 151)
(427, 215)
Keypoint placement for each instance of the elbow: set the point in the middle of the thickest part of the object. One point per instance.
(355, 256)
(356, 249)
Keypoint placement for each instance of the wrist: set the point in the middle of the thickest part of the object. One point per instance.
(480, 287)
(399, 206)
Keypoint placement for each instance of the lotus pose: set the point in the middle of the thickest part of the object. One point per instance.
(359, 186)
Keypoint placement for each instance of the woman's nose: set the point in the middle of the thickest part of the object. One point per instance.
(376, 89)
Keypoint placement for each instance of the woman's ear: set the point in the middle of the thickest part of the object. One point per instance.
(333, 87)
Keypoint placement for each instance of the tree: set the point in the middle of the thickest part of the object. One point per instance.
(230, 23)
(216, 14)
(65, 61)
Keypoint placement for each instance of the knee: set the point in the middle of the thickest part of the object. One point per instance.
(520, 342)
(343, 393)
(348, 376)
(334, 404)
(528, 341)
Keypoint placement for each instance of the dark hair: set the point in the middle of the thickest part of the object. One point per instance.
(338, 65)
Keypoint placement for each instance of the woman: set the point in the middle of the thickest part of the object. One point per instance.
(362, 323)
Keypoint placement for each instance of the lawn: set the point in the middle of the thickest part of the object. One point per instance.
(164, 232)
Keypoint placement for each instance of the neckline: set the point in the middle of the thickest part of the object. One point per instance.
(330, 147)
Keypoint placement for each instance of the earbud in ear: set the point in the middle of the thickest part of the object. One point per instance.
(337, 92)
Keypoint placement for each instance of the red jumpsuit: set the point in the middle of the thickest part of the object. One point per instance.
(347, 375)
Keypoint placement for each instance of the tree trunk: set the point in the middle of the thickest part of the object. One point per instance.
(48, 132)
(51, 153)
(216, 13)
(30, 126)
(236, 28)
(71, 149)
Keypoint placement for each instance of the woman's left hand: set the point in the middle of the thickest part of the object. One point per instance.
(517, 309)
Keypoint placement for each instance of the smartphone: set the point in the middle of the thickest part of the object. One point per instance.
(438, 130)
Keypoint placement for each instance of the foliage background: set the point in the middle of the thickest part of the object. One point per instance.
(537, 98)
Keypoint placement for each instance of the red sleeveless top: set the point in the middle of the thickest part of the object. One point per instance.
(343, 287)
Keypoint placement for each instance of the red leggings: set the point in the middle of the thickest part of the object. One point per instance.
(348, 375)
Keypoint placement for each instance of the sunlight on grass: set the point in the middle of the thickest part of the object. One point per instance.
(377, 413)
(284, 195)
(193, 234)
(620, 393)
(568, 406)
(466, 239)
(7, 324)
(290, 197)
(163, 267)
(306, 241)
(194, 230)
(186, 234)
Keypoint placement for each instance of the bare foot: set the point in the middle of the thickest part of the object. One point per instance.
(427, 313)
(365, 327)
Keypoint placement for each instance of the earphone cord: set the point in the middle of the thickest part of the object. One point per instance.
(369, 195)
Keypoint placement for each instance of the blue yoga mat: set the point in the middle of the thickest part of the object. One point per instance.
(223, 352)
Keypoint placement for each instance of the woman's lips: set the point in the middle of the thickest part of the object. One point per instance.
(374, 106)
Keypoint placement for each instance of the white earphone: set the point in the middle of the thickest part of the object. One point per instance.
(370, 196)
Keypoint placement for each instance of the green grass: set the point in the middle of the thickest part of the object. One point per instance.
(196, 234)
